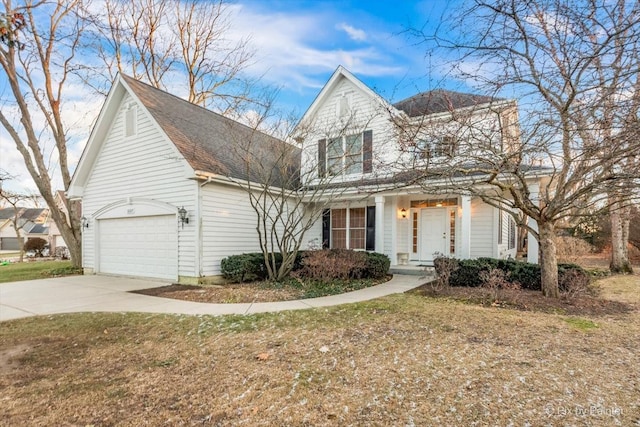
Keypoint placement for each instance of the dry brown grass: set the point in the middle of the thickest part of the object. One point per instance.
(401, 360)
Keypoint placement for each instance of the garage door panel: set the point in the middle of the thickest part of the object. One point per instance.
(141, 246)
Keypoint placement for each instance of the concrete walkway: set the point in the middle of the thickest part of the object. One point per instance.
(75, 294)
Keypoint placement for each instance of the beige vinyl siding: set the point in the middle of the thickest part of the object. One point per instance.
(483, 237)
(146, 165)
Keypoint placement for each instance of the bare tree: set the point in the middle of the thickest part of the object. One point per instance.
(574, 69)
(168, 42)
(37, 57)
(288, 190)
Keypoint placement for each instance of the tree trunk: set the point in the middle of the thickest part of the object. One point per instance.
(548, 260)
(619, 216)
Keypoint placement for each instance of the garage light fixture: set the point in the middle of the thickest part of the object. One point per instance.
(85, 222)
(182, 216)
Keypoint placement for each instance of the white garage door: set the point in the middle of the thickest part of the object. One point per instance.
(141, 246)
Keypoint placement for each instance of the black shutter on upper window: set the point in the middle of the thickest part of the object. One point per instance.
(326, 228)
(322, 158)
(370, 242)
(367, 151)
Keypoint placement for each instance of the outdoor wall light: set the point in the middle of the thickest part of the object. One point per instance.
(403, 213)
(84, 222)
(182, 216)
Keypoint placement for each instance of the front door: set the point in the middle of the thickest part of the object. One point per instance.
(433, 226)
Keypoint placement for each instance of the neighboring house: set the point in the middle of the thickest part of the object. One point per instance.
(32, 222)
(150, 155)
(351, 137)
(55, 237)
(158, 182)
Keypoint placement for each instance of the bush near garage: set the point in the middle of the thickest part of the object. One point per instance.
(469, 272)
(250, 266)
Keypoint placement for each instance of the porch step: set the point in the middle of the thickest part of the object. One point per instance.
(413, 270)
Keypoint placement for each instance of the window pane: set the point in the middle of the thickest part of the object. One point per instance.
(356, 218)
(356, 238)
(339, 239)
(338, 218)
(334, 148)
(353, 164)
(353, 144)
(334, 165)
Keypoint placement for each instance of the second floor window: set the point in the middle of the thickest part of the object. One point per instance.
(344, 155)
(439, 147)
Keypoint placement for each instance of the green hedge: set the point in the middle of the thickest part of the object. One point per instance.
(467, 272)
(250, 266)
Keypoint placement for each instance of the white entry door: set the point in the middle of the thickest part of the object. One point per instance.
(433, 232)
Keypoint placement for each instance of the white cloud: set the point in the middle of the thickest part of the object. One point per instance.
(294, 48)
(354, 33)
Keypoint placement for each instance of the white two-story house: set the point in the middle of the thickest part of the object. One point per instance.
(161, 179)
(377, 157)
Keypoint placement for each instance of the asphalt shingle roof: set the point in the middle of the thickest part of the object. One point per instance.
(213, 143)
(440, 101)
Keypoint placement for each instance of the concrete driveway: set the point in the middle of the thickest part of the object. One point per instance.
(74, 294)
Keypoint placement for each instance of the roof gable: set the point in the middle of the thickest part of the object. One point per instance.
(208, 142)
(212, 143)
(331, 84)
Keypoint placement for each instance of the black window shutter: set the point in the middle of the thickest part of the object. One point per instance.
(370, 242)
(367, 151)
(322, 158)
(326, 228)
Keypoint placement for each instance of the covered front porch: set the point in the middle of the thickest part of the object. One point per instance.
(412, 229)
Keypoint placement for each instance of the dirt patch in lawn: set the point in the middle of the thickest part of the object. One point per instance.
(531, 301)
(10, 358)
(227, 294)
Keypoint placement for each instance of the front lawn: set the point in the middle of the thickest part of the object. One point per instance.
(35, 270)
(401, 360)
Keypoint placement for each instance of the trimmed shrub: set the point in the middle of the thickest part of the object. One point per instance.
(573, 280)
(343, 264)
(245, 267)
(377, 265)
(333, 264)
(251, 266)
(527, 276)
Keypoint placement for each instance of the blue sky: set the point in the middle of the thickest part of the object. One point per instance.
(298, 44)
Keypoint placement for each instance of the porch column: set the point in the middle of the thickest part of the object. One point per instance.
(465, 227)
(532, 242)
(394, 231)
(380, 224)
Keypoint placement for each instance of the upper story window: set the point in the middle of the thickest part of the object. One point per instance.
(443, 146)
(345, 155)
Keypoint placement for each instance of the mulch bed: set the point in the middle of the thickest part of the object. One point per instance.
(227, 294)
(527, 300)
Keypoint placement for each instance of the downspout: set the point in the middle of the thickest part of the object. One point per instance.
(198, 231)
